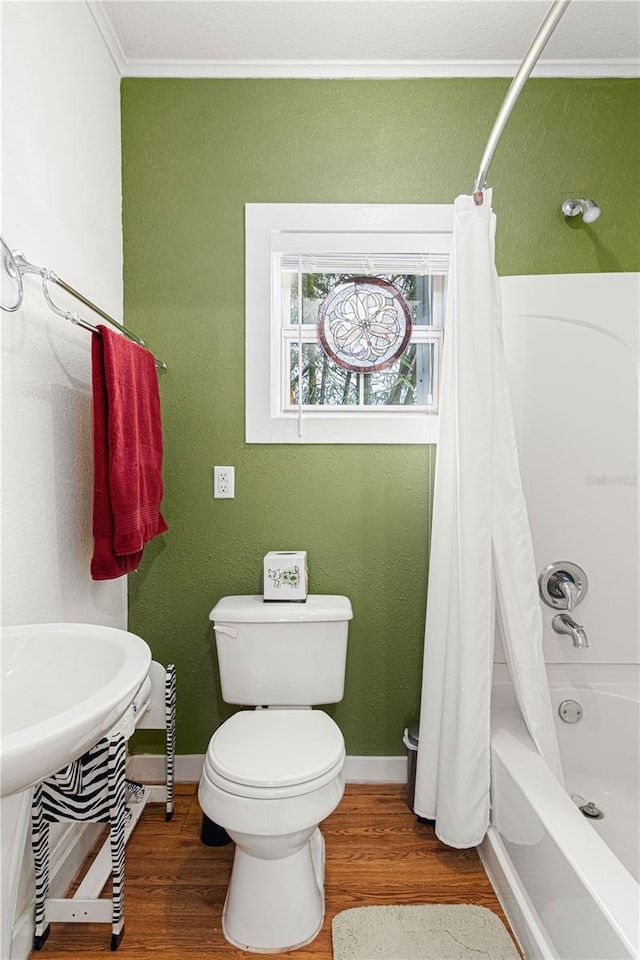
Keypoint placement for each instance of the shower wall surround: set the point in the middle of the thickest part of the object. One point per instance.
(194, 152)
(580, 470)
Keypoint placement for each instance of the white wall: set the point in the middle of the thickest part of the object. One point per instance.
(572, 349)
(61, 206)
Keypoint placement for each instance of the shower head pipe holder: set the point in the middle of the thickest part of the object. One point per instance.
(588, 208)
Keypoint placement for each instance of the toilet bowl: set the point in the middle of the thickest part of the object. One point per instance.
(270, 777)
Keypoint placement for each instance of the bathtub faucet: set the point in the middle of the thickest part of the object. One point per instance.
(564, 623)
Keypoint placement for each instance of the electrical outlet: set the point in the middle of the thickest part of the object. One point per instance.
(224, 482)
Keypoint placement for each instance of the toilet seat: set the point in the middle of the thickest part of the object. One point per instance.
(271, 754)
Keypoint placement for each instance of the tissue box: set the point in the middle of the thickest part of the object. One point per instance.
(285, 576)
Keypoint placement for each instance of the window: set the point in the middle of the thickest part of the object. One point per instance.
(317, 276)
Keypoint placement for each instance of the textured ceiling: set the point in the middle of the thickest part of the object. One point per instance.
(366, 30)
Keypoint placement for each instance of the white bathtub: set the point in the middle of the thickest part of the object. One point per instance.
(566, 883)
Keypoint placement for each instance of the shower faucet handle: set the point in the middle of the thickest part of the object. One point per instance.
(563, 585)
(567, 587)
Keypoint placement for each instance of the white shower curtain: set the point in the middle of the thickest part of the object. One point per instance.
(481, 559)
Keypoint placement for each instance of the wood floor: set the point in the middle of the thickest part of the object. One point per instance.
(377, 853)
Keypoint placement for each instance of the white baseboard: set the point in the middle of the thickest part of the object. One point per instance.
(375, 769)
(150, 768)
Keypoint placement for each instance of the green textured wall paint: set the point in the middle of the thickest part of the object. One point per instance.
(194, 152)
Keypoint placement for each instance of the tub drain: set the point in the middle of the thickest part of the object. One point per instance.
(591, 811)
(570, 711)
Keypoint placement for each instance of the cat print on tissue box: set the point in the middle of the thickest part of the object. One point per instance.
(286, 576)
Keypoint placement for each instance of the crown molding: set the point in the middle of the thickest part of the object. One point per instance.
(371, 70)
(344, 69)
(107, 33)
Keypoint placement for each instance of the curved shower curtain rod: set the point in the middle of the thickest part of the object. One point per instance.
(538, 44)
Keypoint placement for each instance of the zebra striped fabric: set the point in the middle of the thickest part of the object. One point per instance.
(101, 774)
(95, 789)
(170, 714)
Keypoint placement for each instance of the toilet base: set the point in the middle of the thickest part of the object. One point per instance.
(274, 905)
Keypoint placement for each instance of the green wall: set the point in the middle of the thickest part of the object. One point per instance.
(194, 152)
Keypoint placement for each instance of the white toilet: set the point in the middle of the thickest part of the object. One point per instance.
(272, 774)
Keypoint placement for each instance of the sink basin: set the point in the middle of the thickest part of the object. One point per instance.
(63, 686)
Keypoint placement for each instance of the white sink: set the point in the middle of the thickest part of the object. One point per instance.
(64, 685)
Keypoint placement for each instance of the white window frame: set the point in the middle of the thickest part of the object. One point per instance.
(311, 228)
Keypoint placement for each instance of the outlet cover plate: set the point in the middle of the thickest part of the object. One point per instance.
(224, 483)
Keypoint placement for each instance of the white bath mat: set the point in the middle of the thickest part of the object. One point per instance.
(430, 932)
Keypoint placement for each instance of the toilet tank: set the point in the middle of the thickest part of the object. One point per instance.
(292, 654)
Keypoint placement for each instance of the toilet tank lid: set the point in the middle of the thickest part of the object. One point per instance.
(253, 609)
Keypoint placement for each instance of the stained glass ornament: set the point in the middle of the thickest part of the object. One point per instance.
(364, 324)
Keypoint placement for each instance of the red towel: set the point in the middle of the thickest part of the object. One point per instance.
(127, 443)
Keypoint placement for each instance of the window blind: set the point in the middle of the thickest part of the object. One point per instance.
(366, 264)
